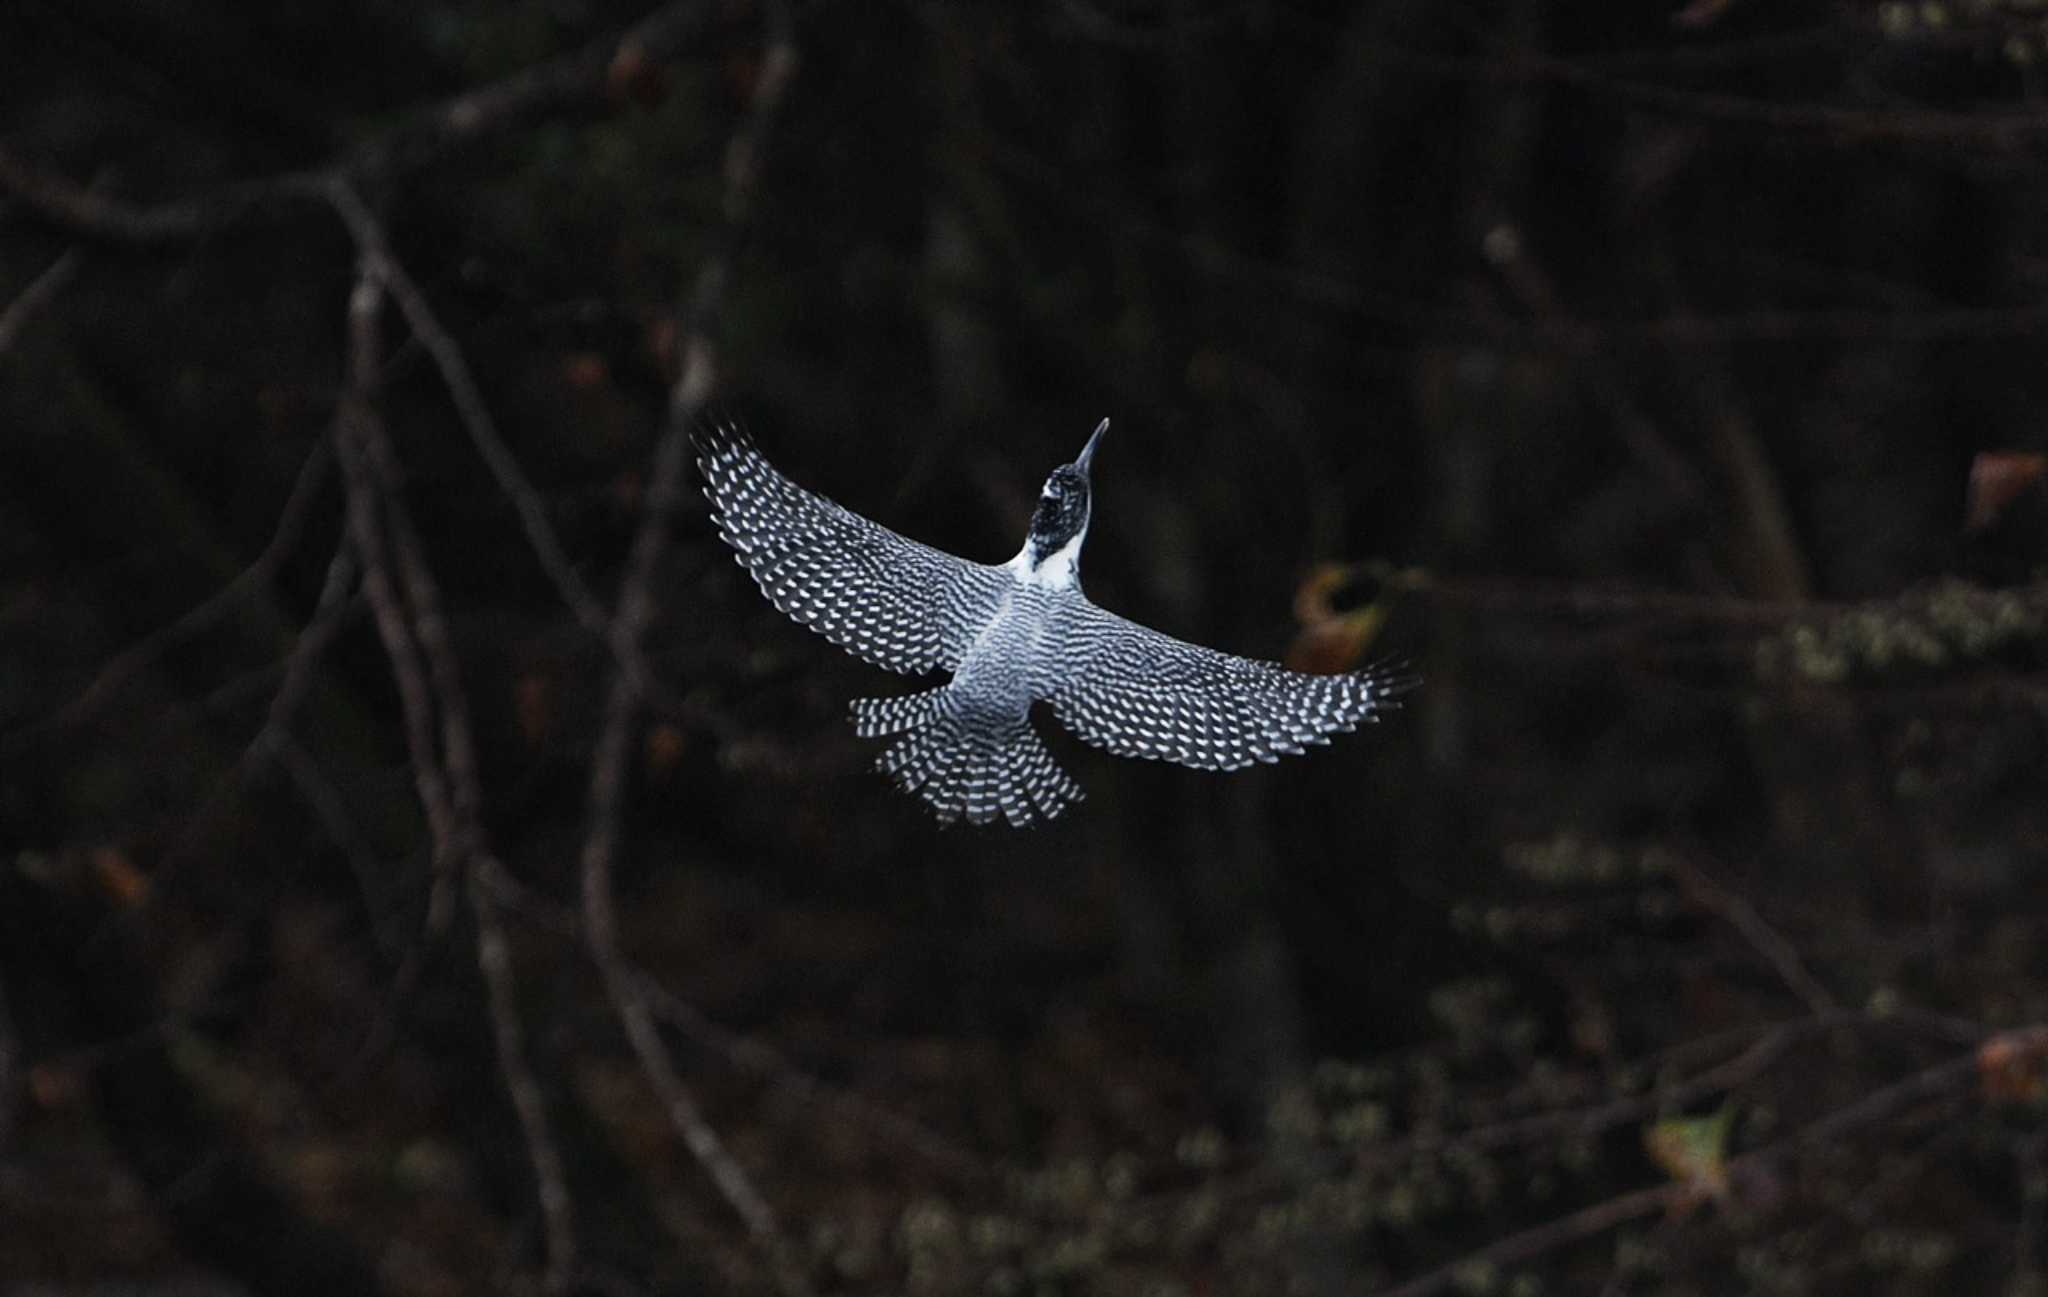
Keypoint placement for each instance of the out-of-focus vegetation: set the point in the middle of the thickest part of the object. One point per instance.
(428, 867)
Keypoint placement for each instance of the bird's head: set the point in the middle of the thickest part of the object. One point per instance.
(1060, 523)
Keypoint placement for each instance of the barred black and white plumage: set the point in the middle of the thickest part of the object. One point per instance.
(1011, 634)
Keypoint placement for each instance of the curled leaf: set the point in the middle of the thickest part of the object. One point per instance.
(1693, 1151)
(1331, 641)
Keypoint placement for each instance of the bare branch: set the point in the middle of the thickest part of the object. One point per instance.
(125, 664)
(1587, 1122)
(1757, 1049)
(415, 636)
(634, 612)
(471, 408)
(752, 1055)
(325, 624)
(592, 75)
(1638, 433)
(39, 293)
(494, 960)
(1829, 124)
(84, 211)
(354, 422)
(1767, 941)
(1547, 1237)
(1942, 1078)
(320, 794)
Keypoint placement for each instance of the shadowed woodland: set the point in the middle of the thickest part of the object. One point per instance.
(428, 866)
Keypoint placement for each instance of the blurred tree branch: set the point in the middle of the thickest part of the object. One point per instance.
(1943, 1079)
(413, 628)
(700, 322)
(1047, 1110)
(604, 72)
(36, 296)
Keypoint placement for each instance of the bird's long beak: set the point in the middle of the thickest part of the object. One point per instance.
(1088, 451)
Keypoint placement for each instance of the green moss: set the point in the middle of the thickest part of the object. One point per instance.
(1925, 630)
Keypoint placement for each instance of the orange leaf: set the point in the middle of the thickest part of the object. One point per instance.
(1997, 477)
(2009, 1067)
(1339, 644)
(664, 748)
(118, 878)
(1330, 641)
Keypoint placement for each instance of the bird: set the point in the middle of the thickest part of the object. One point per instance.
(1011, 635)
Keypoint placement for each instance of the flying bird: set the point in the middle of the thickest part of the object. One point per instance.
(1011, 634)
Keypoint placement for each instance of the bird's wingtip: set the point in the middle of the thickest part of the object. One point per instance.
(1391, 678)
(720, 433)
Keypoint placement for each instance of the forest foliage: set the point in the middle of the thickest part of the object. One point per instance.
(428, 867)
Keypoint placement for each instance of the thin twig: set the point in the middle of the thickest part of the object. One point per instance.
(474, 413)
(397, 583)
(1766, 940)
(295, 680)
(526, 500)
(329, 615)
(494, 961)
(84, 211)
(470, 408)
(595, 74)
(329, 808)
(415, 634)
(1432, 323)
(1589, 599)
(353, 421)
(1548, 1237)
(752, 1055)
(1638, 432)
(40, 292)
(749, 1054)
(635, 610)
(124, 665)
(1757, 1048)
(1590, 1221)
(1584, 1123)
(1834, 125)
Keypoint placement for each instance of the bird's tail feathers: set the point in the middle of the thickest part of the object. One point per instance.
(964, 766)
(874, 717)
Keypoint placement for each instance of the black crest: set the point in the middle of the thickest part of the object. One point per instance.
(1062, 512)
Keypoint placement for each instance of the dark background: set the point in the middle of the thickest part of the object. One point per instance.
(1661, 383)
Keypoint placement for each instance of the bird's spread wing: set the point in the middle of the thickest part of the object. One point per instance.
(1138, 693)
(878, 595)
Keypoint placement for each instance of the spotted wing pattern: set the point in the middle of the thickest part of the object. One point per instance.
(880, 596)
(1137, 693)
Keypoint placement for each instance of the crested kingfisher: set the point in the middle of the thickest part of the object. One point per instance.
(1011, 634)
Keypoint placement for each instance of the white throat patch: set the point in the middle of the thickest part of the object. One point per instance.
(1058, 570)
